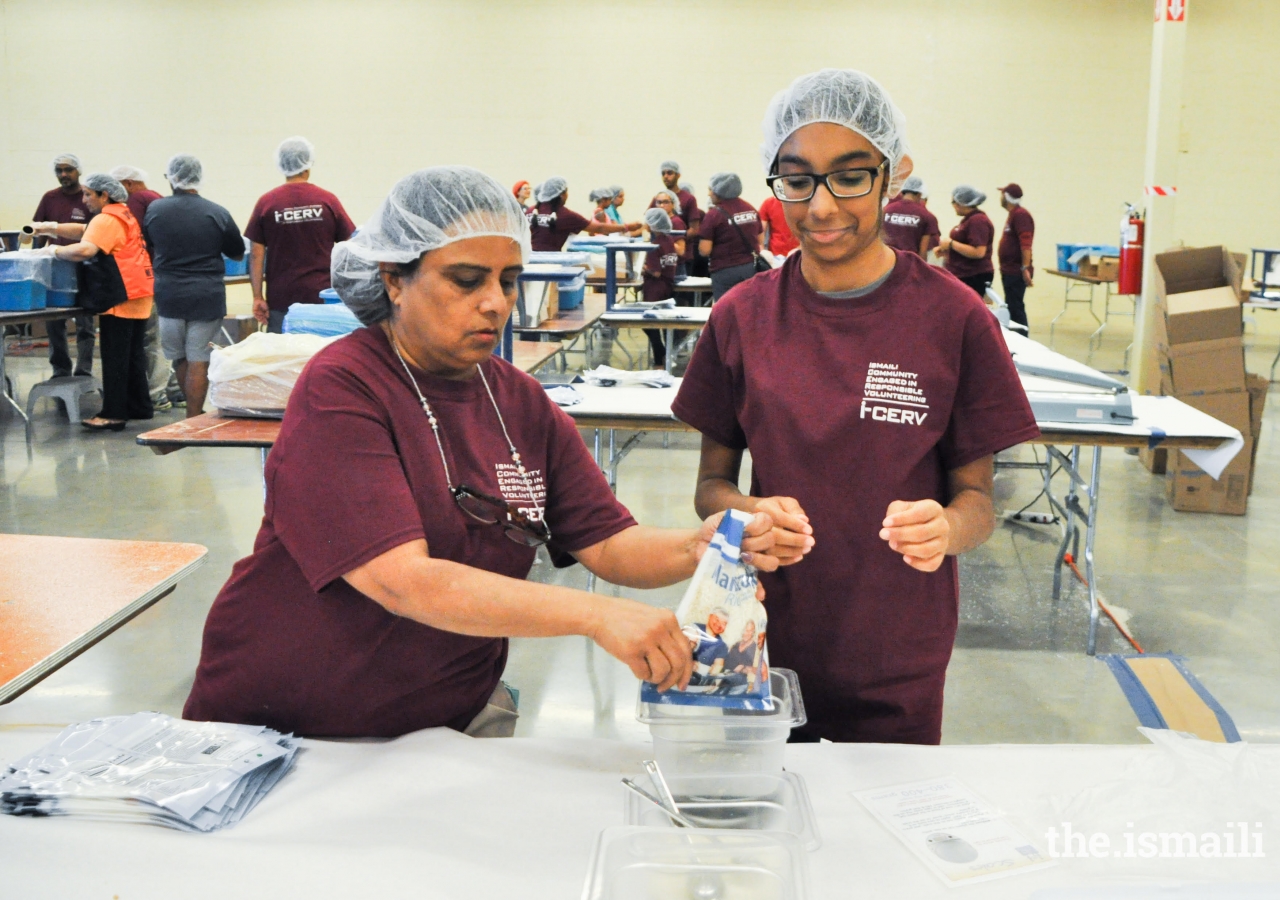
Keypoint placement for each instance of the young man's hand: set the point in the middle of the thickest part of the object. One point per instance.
(919, 530)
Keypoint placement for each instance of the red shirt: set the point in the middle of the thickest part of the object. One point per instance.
(1019, 231)
(906, 223)
(781, 240)
(139, 201)
(551, 224)
(660, 268)
(59, 206)
(975, 230)
(354, 473)
(848, 405)
(299, 223)
(729, 247)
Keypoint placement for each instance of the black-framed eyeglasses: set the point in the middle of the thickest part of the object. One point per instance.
(845, 184)
(490, 510)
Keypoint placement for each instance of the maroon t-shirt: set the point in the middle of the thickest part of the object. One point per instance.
(975, 230)
(728, 247)
(691, 215)
(551, 224)
(298, 223)
(906, 223)
(59, 206)
(139, 201)
(660, 268)
(848, 405)
(1019, 231)
(355, 473)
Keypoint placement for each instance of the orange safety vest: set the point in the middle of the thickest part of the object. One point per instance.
(132, 259)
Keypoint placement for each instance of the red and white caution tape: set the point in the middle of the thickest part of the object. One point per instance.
(1160, 190)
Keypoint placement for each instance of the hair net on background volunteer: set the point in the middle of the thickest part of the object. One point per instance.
(675, 200)
(913, 185)
(658, 220)
(128, 173)
(66, 159)
(725, 185)
(843, 97)
(669, 166)
(424, 211)
(184, 172)
(968, 195)
(600, 194)
(614, 190)
(105, 184)
(295, 156)
(551, 189)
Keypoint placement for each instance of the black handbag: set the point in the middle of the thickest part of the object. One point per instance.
(100, 286)
(758, 262)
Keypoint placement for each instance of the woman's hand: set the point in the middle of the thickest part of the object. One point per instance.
(644, 637)
(944, 244)
(919, 530)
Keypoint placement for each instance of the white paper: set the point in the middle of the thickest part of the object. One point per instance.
(957, 834)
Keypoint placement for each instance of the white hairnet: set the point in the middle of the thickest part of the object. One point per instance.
(551, 189)
(685, 186)
(105, 184)
(675, 200)
(424, 211)
(968, 195)
(725, 185)
(658, 220)
(184, 172)
(599, 194)
(294, 156)
(843, 97)
(913, 185)
(614, 190)
(128, 173)
(669, 166)
(66, 159)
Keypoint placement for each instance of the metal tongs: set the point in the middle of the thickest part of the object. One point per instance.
(664, 800)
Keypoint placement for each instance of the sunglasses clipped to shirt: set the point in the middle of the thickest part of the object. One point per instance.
(489, 510)
(844, 184)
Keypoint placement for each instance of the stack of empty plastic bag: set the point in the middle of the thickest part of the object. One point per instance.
(255, 377)
(150, 769)
(324, 319)
(607, 376)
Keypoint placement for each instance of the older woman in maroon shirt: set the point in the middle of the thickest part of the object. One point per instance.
(414, 476)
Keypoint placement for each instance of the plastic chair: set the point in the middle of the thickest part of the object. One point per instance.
(68, 389)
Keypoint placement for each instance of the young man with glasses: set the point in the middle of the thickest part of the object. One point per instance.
(873, 391)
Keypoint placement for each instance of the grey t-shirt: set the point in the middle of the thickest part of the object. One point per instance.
(857, 292)
(187, 236)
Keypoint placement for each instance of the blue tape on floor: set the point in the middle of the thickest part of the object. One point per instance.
(1145, 708)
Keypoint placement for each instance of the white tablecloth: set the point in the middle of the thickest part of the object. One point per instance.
(439, 815)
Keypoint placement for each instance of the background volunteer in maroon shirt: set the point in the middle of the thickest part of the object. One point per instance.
(729, 236)
(967, 250)
(908, 224)
(689, 211)
(414, 475)
(872, 391)
(660, 266)
(64, 205)
(1014, 253)
(293, 229)
(551, 223)
(669, 203)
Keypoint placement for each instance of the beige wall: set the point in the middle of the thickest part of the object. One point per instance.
(1050, 94)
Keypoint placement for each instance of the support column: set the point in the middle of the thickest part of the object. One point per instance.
(1160, 174)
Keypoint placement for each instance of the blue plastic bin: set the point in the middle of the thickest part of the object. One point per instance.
(324, 319)
(235, 267)
(1069, 255)
(20, 296)
(573, 292)
(64, 284)
(329, 295)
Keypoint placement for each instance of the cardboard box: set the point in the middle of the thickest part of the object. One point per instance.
(1258, 386)
(1203, 367)
(1229, 407)
(1190, 489)
(1197, 269)
(1107, 268)
(1202, 315)
(1156, 461)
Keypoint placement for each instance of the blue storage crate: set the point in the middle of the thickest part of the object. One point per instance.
(235, 267)
(20, 296)
(329, 295)
(60, 298)
(65, 276)
(1069, 255)
(573, 292)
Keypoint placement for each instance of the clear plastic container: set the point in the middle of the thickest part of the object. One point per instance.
(638, 863)
(735, 802)
(702, 740)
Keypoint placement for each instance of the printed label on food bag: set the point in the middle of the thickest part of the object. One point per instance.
(725, 625)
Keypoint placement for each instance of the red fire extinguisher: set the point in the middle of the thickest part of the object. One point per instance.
(1131, 230)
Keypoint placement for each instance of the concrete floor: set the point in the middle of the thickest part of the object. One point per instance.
(1207, 587)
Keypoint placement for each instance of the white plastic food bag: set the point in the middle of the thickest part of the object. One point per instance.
(725, 625)
(256, 376)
